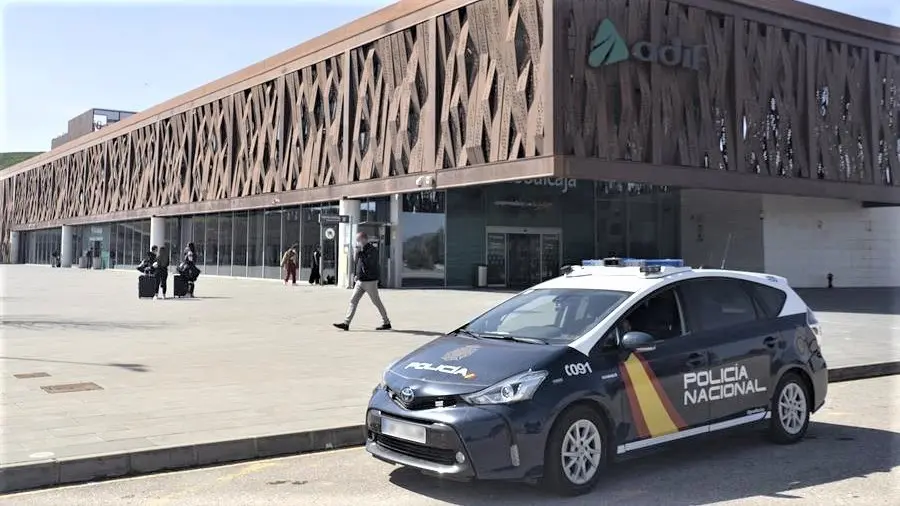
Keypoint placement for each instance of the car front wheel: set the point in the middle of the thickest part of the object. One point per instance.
(790, 410)
(575, 457)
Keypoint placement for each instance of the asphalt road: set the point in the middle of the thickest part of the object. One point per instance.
(851, 456)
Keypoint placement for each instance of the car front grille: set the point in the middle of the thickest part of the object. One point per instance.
(420, 403)
(418, 451)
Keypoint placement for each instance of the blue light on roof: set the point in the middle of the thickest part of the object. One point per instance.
(634, 262)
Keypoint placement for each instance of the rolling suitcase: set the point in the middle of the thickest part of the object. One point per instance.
(180, 285)
(148, 286)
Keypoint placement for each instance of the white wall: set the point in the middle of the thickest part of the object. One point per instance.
(806, 238)
(709, 217)
(800, 238)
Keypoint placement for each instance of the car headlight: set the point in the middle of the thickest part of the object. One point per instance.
(520, 387)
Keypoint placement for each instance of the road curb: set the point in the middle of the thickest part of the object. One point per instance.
(857, 372)
(53, 472)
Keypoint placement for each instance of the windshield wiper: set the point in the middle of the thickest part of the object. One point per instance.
(466, 332)
(518, 339)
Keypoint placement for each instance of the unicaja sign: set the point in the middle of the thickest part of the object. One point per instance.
(608, 48)
(560, 182)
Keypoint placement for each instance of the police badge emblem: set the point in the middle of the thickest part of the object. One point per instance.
(460, 353)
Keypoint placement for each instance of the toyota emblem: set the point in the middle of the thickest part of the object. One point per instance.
(407, 395)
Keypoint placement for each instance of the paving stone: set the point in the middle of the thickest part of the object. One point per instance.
(247, 358)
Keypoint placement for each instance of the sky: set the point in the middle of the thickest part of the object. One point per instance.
(61, 58)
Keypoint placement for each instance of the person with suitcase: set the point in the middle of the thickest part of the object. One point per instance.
(187, 273)
(148, 283)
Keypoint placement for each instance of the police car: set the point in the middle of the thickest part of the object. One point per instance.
(613, 357)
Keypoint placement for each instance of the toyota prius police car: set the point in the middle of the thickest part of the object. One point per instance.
(614, 356)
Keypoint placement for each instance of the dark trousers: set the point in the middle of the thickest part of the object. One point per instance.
(314, 276)
(163, 277)
(290, 272)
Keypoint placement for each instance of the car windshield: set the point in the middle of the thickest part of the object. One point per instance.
(549, 315)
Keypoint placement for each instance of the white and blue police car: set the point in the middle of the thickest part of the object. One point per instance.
(612, 357)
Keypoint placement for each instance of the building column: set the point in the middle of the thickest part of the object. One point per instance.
(396, 280)
(66, 245)
(345, 236)
(157, 231)
(14, 247)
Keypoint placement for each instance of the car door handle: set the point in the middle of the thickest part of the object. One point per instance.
(770, 341)
(696, 360)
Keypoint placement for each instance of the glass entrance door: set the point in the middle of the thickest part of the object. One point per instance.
(519, 258)
(551, 252)
(496, 259)
(524, 260)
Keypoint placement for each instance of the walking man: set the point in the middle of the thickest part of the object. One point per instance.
(366, 282)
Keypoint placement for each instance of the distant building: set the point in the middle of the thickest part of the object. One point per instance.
(87, 122)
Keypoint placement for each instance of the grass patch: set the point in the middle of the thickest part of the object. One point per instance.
(10, 159)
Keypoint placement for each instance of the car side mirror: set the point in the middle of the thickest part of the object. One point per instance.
(638, 341)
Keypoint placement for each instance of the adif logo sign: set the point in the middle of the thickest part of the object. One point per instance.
(608, 48)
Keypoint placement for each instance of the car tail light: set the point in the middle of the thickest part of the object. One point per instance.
(814, 325)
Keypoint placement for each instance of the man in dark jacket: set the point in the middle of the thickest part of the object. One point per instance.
(366, 282)
(162, 269)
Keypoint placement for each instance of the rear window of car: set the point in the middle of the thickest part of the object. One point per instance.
(770, 300)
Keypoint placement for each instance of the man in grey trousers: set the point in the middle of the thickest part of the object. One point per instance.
(366, 282)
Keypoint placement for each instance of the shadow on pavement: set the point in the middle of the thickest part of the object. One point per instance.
(723, 468)
(129, 367)
(37, 323)
(199, 297)
(853, 300)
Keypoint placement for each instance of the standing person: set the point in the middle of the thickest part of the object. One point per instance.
(366, 282)
(315, 274)
(188, 268)
(289, 263)
(162, 269)
(148, 264)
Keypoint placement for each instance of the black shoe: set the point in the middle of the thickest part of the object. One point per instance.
(386, 326)
(342, 326)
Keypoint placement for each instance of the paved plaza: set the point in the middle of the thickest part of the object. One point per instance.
(246, 358)
(737, 469)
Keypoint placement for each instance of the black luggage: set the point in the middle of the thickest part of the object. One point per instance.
(193, 273)
(148, 287)
(180, 285)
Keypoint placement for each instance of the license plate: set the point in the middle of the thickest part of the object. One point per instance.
(401, 430)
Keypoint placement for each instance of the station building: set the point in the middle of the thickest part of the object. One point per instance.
(521, 135)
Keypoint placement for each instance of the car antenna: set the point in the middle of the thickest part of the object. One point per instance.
(727, 247)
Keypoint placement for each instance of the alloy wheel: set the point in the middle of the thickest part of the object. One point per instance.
(582, 451)
(792, 408)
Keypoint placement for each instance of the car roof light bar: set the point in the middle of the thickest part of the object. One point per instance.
(634, 262)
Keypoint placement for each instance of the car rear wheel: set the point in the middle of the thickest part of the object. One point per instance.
(790, 410)
(575, 457)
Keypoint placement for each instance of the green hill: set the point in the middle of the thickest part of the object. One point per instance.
(10, 159)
